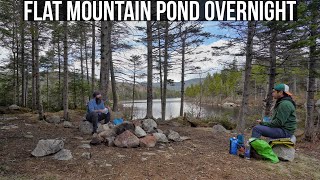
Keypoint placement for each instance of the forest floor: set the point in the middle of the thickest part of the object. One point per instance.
(205, 156)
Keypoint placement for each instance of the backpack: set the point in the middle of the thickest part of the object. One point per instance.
(263, 149)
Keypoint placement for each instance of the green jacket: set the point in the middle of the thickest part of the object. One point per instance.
(284, 115)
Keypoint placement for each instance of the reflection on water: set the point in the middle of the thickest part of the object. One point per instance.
(173, 109)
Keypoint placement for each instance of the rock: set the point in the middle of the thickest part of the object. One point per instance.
(30, 136)
(284, 153)
(53, 119)
(14, 107)
(219, 129)
(136, 123)
(104, 127)
(139, 132)
(108, 165)
(121, 156)
(161, 137)
(143, 159)
(67, 124)
(107, 133)
(173, 136)
(119, 129)
(159, 131)
(229, 105)
(148, 141)
(148, 154)
(86, 127)
(63, 155)
(95, 141)
(127, 139)
(9, 127)
(184, 138)
(46, 147)
(85, 146)
(149, 125)
(86, 155)
(110, 141)
(78, 137)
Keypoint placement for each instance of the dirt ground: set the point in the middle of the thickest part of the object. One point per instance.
(205, 156)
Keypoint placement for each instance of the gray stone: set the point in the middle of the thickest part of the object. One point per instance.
(149, 125)
(86, 127)
(139, 132)
(184, 138)
(162, 138)
(148, 154)
(107, 133)
(86, 155)
(127, 140)
(104, 127)
(14, 107)
(159, 131)
(229, 105)
(219, 129)
(119, 129)
(85, 146)
(174, 136)
(46, 147)
(53, 119)
(284, 153)
(110, 141)
(67, 124)
(63, 155)
(30, 136)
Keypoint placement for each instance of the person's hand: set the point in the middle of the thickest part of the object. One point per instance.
(259, 121)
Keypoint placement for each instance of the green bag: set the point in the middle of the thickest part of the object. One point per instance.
(263, 149)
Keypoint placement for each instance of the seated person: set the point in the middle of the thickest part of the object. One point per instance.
(283, 121)
(96, 111)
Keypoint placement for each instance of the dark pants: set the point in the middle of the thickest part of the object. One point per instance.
(95, 117)
(273, 133)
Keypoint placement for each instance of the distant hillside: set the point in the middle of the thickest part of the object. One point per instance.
(176, 86)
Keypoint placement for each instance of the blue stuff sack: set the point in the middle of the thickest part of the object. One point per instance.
(117, 121)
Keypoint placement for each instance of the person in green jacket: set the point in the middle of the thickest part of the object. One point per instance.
(283, 121)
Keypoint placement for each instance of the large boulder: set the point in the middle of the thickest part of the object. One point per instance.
(53, 119)
(160, 137)
(148, 141)
(219, 129)
(284, 153)
(14, 107)
(119, 129)
(139, 132)
(126, 140)
(173, 136)
(104, 127)
(63, 155)
(67, 124)
(86, 127)
(107, 133)
(47, 147)
(110, 141)
(149, 125)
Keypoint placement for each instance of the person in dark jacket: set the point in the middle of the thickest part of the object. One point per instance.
(283, 121)
(96, 111)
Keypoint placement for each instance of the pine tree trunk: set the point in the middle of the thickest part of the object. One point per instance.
(246, 84)
(165, 72)
(310, 128)
(59, 67)
(160, 62)
(34, 92)
(82, 72)
(37, 73)
(272, 71)
(150, 70)
(65, 72)
(183, 39)
(112, 72)
(93, 55)
(23, 63)
(104, 70)
(87, 67)
(133, 88)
